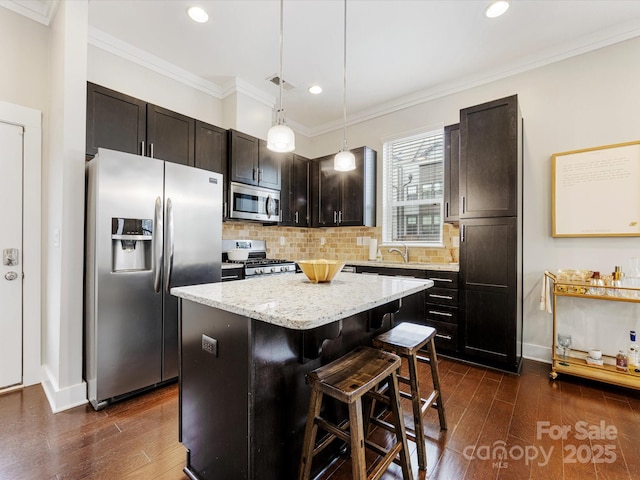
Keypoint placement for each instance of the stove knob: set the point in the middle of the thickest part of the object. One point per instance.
(273, 269)
(258, 271)
(283, 269)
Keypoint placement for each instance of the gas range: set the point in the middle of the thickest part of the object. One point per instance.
(257, 264)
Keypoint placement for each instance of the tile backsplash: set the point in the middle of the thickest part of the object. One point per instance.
(337, 243)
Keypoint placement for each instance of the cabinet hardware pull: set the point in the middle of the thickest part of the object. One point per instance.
(253, 173)
(335, 217)
(442, 314)
(259, 175)
(462, 233)
(445, 337)
(142, 152)
(462, 200)
(340, 216)
(151, 148)
(436, 279)
(446, 297)
(296, 218)
(446, 209)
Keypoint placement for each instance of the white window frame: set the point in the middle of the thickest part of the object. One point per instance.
(390, 198)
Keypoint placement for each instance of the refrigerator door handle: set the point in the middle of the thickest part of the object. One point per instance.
(156, 246)
(168, 244)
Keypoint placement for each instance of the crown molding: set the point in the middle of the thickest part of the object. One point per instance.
(585, 45)
(125, 50)
(42, 11)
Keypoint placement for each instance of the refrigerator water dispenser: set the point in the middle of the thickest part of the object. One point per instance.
(131, 244)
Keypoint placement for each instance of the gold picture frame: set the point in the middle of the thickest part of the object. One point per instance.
(596, 191)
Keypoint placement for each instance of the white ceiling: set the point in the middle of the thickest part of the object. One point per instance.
(398, 52)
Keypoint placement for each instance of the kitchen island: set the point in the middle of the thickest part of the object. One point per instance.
(245, 349)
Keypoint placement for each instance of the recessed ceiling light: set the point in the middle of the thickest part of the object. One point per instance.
(197, 14)
(497, 8)
(315, 89)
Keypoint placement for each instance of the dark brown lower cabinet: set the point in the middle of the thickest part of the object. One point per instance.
(490, 284)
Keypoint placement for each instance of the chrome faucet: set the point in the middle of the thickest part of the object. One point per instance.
(405, 255)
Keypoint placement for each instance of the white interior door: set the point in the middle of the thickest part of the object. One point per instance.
(11, 149)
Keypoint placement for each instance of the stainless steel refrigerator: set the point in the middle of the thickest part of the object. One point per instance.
(150, 226)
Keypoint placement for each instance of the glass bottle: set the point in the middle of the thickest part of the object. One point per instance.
(597, 285)
(614, 291)
(632, 279)
(621, 362)
(632, 353)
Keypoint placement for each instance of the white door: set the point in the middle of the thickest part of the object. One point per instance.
(11, 255)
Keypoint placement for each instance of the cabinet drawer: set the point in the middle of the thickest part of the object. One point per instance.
(442, 296)
(443, 279)
(446, 336)
(440, 313)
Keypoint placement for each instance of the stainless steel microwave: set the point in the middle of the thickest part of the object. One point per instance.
(248, 202)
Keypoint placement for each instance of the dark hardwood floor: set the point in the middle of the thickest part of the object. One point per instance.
(488, 413)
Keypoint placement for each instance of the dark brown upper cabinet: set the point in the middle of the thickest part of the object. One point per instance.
(344, 198)
(294, 194)
(489, 159)
(170, 136)
(250, 161)
(211, 153)
(451, 173)
(127, 124)
(115, 121)
(120, 122)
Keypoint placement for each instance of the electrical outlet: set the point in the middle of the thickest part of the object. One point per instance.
(359, 241)
(282, 241)
(210, 345)
(322, 241)
(456, 241)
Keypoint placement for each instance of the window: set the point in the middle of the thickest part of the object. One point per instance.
(413, 188)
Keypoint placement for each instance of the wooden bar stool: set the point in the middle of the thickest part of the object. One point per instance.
(347, 380)
(405, 340)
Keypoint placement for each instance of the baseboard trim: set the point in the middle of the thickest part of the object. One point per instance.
(536, 352)
(61, 399)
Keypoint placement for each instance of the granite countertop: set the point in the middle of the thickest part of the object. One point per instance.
(292, 301)
(448, 267)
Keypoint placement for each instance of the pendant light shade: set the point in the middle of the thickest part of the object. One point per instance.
(280, 138)
(344, 160)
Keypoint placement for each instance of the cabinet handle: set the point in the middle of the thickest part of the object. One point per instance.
(446, 297)
(462, 200)
(259, 175)
(142, 152)
(446, 209)
(442, 314)
(296, 218)
(462, 233)
(340, 216)
(445, 337)
(151, 149)
(335, 217)
(253, 173)
(436, 279)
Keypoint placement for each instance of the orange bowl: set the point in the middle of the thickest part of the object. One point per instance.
(320, 271)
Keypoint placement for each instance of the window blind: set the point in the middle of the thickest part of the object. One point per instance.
(413, 188)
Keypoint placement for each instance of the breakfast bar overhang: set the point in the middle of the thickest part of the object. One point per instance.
(245, 348)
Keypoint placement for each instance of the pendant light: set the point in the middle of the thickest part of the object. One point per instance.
(344, 160)
(281, 138)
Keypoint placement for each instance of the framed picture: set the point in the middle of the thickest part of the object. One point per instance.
(596, 191)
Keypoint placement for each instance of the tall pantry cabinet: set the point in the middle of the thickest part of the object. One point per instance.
(491, 232)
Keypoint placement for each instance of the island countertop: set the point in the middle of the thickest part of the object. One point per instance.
(292, 301)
